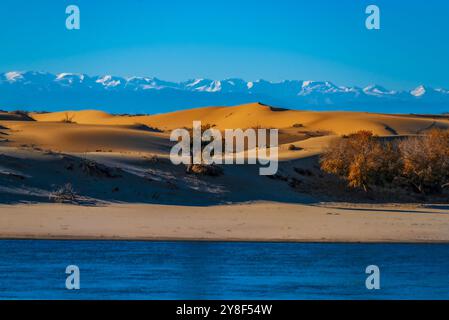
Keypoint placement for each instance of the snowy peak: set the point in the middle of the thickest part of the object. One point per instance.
(69, 79)
(377, 90)
(109, 81)
(419, 91)
(231, 85)
(13, 76)
(29, 77)
(309, 87)
(147, 83)
(202, 85)
(19, 89)
(424, 91)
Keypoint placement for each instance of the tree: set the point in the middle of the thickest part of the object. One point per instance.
(365, 160)
(362, 159)
(426, 161)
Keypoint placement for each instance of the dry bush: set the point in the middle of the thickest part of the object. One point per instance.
(426, 161)
(362, 160)
(204, 169)
(64, 194)
(94, 169)
(68, 118)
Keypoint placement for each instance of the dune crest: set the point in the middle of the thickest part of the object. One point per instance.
(301, 133)
(259, 115)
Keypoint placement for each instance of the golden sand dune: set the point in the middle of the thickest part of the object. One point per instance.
(81, 117)
(258, 115)
(91, 131)
(160, 200)
(69, 137)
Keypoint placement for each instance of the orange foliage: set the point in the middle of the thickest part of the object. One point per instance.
(364, 160)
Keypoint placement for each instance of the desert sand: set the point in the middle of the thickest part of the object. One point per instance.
(127, 187)
(252, 115)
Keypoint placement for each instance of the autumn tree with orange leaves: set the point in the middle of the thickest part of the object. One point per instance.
(362, 160)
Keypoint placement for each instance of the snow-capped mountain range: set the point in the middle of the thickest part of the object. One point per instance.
(46, 91)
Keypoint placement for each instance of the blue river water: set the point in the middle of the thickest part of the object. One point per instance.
(35, 269)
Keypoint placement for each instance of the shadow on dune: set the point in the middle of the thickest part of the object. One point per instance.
(98, 179)
(31, 176)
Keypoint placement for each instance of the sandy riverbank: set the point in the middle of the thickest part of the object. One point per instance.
(246, 222)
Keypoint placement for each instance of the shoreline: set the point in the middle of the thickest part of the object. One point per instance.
(255, 222)
(194, 240)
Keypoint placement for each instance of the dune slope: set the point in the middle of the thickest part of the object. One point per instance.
(259, 115)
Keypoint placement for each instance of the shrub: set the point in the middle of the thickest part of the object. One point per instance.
(65, 194)
(426, 161)
(421, 162)
(204, 169)
(94, 169)
(68, 118)
(362, 160)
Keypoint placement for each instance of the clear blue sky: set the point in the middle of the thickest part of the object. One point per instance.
(251, 39)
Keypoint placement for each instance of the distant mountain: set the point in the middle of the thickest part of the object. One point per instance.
(50, 92)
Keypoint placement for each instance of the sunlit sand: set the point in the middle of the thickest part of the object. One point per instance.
(127, 188)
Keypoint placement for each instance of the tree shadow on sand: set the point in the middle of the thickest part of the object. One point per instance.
(98, 181)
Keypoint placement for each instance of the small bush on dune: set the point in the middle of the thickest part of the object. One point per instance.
(94, 169)
(64, 194)
(204, 169)
(68, 118)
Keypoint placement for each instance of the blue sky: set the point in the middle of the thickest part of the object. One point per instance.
(252, 39)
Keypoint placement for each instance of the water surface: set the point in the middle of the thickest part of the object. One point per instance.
(35, 269)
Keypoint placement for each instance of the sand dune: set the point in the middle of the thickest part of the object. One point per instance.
(66, 137)
(109, 160)
(99, 131)
(81, 117)
(258, 115)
